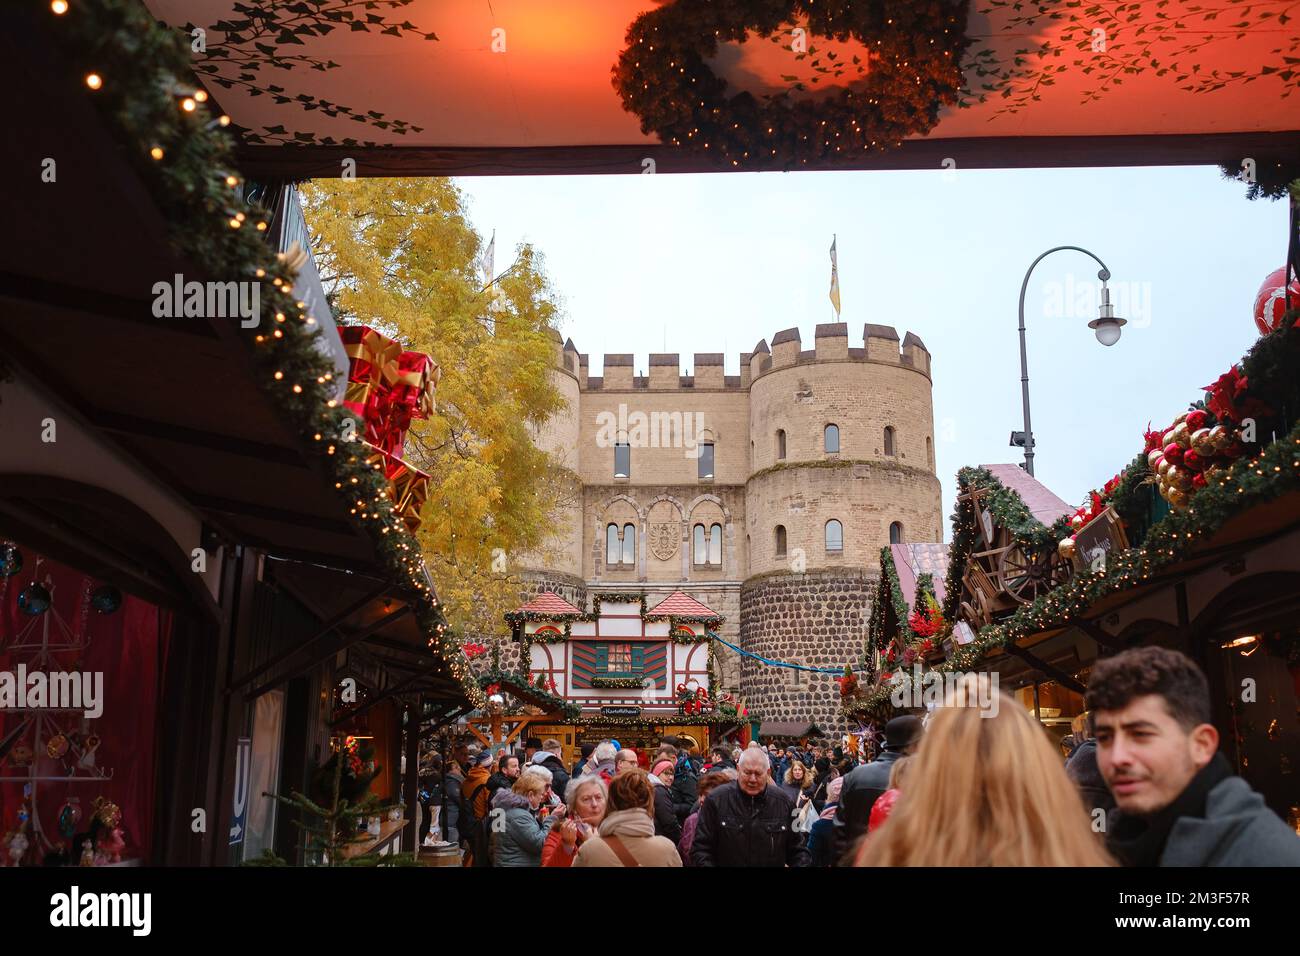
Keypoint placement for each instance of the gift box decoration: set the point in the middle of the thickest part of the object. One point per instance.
(388, 387)
(407, 487)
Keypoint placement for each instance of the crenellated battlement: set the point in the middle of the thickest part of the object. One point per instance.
(831, 343)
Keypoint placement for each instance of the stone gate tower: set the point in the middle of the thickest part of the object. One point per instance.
(765, 495)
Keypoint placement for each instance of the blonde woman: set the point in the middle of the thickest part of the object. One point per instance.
(798, 782)
(520, 838)
(986, 788)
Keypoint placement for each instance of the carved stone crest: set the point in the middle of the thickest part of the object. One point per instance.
(663, 539)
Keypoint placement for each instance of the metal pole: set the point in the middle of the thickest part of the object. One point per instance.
(1103, 275)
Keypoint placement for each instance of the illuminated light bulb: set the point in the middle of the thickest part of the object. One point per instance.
(298, 389)
(224, 120)
(260, 273)
(261, 227)
(201, 95)
(156, 152)
(234, 224)
(278, 376)
(240, 216)
(59, 7)
(278, 334)
(279, 316)
(232, 181)
(188, 104)
(94, 80)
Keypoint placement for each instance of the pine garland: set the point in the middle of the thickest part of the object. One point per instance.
(186, 160)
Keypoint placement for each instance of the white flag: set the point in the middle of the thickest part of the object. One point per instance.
(835, 279)
(489, 260)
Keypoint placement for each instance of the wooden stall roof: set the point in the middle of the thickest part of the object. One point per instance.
(178, 395)
(460, 87)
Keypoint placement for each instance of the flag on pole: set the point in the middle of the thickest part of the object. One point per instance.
(835, 280)
(489, 260)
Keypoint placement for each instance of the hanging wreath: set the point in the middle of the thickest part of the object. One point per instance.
(913, 53)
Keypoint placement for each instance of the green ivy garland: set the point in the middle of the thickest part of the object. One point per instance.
(554, 702)
(516, 619)
(915, 51)
(616, 683)
(186, 161)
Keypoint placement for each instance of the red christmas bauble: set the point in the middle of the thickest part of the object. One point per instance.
(1196, 419)
(1174, 453)
(1270, 300)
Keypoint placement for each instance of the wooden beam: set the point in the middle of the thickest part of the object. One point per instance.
(975, 152)
(1061, 677)
(225, 444)
(328, 652)
(325, 629)
(284, 516)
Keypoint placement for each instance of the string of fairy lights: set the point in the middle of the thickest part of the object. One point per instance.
(291, 368)
(1272, 472)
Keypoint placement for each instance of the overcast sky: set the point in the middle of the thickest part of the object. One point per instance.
(715, 262)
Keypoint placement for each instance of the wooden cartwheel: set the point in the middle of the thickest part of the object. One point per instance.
(1027, 575)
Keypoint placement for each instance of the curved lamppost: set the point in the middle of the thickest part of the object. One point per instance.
(1107, 326)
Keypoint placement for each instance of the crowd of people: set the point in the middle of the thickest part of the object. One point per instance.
(1144, 785)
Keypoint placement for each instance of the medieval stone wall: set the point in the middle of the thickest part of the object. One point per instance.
(818, 619)
(809, 604)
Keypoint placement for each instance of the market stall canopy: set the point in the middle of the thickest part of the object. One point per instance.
(789, 728)
(459, 87)
(365, 616)
(913, 560)
(78, 312)
(1043, 503)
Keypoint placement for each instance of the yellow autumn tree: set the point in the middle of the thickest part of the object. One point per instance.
(401, 256)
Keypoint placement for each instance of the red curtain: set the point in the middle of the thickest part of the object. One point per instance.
(127, 647)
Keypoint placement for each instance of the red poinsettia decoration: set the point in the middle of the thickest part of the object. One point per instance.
(491, 689)
(1154, 439)
(1230, 400)
(926, 621)
(473, 650)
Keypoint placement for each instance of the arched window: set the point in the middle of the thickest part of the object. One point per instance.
(929, 451)
(834, 536)
(889, 439)
(832, 437)
(780, 541)
(896, 533)
(715, 544)
(780, 444)
(629, 544)
(613, 548)
(701, 547)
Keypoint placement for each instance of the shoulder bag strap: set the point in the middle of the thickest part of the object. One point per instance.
(622, 852)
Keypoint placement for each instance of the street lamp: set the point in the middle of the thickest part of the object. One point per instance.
(1107, 327)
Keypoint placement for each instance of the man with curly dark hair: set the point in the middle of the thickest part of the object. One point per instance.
(1178, 802)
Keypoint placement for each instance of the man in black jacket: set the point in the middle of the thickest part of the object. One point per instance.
(549, 757)
(864, 784)
(506, 775)
(749, 822)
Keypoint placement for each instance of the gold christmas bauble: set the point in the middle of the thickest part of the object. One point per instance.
(1066, 548)
(1163, 468)
(1178, 498)
(1182, 435)
(1219, 437)
(1202, 443)
(1154, 457)
(1181, 418)
(1174, 475)
(1168, 438)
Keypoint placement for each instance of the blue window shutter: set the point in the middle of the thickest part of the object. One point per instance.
(638, 657)
(602, 658)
